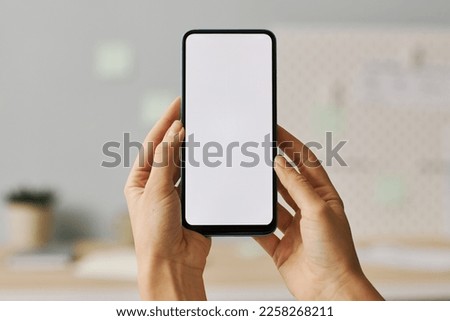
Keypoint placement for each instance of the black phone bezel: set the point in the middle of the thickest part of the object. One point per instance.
(231, 230)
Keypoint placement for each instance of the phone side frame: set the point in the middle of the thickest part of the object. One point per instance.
(231, 230)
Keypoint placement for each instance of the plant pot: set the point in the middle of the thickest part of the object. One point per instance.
(30, 226)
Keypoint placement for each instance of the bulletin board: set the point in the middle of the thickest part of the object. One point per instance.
(387, 93)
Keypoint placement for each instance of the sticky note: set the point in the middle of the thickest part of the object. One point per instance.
(249, 250)
(113, 60)
(153, 104)
(327, 119)
(389, 190)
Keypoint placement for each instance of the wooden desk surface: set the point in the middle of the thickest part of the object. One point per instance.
(231, 268)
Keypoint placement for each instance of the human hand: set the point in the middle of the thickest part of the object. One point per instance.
(170, 258)
(316, 256)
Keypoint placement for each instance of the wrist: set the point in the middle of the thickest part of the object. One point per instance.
(172, 281)
(354, 286)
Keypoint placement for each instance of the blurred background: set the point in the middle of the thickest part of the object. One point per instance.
(75, 75)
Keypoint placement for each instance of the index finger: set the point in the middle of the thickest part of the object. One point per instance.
(307, 163)
(142, 165)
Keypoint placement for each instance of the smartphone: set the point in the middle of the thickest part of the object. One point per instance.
(228, 185)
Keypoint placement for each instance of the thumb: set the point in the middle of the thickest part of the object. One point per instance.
(164, 162)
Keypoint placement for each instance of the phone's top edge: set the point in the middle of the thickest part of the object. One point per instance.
(230, 31)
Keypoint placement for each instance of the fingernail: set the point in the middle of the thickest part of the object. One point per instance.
(175, 127)
(279, 160)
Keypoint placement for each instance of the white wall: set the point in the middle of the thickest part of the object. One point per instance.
(55, 115)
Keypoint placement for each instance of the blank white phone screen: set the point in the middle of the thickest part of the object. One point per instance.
(228, 117)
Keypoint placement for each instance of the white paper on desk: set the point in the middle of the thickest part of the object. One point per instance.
(427, 259)
(50, 257)
(116, 264)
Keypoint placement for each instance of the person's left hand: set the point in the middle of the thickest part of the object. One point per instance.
(171, 259)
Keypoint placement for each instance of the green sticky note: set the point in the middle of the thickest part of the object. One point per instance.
(327, 119)
(113, 60)
(153, 104)
(389, 190)
(248, 250)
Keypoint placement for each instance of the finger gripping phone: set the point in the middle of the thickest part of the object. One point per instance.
(228, 185)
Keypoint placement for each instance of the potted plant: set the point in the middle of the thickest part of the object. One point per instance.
(30, 218)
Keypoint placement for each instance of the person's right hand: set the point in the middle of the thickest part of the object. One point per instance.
(316, 256)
